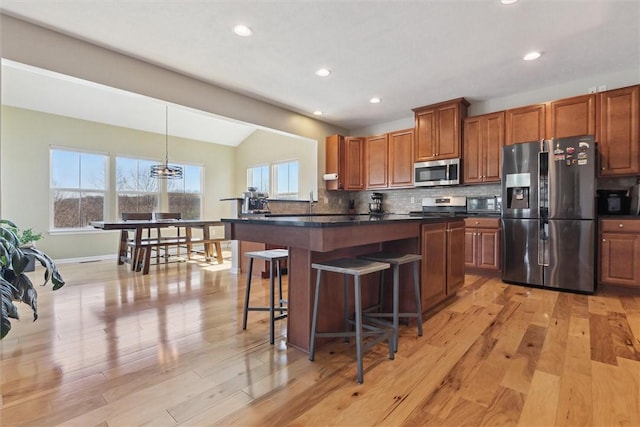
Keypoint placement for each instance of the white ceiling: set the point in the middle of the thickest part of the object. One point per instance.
(409, 53)
(41, 90)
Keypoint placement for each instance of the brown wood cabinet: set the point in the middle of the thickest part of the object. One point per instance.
(620, 252)
(572, 117)
(525, 124)
(482, 149)
(345, 156)
(401, 158)
(482, 243)
(439, 130)
(555, 119)
(442, 267)
(619, 131)
(377, 161)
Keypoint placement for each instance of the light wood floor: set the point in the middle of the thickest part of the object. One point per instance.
(113, 348)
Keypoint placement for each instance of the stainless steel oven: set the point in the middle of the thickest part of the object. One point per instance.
(437, 172)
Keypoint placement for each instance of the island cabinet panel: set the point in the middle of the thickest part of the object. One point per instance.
(525, 124)
(377, 161)
(438, 130)
(455, 263)
(442, 265)
(619, 131)
(620, 252)
(572, 117)
(482, 149)
(401, 158)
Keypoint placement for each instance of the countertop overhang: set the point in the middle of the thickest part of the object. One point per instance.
(337, 220)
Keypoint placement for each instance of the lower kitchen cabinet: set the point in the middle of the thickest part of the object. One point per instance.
(442, 267)
(482, 243)
(620, 252)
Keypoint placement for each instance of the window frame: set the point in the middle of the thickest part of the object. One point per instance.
(106, 191)
(184, 165)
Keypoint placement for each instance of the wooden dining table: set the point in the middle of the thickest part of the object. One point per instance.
(138, 227)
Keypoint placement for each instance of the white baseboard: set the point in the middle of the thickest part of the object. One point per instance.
(85, 259)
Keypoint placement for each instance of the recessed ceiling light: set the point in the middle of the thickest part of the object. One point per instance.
(323, 72)
(317, 113)
(242, 30)
(531, 56)
(508, 1)
(375, 100)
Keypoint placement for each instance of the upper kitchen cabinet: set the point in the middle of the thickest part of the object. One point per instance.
(345, 157)
(401, 158)
(439, 130)
(619, 131)
(572, 117)
(354, 160)
(376, 156)
(482, 150)
(525, 124)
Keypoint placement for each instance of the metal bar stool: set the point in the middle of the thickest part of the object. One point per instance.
(396, 260)
(273, 256)
(356, 268)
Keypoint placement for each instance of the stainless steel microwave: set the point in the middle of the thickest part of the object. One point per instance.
(437, 172)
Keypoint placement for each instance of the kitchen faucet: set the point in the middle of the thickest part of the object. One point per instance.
(311, 202)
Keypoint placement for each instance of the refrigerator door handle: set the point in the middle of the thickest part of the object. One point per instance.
(543, 244)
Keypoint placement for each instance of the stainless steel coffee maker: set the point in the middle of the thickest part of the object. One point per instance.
(255, 201)
(375, 207)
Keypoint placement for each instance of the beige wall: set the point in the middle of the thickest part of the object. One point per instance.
(26, 137)
(33, 45)
(266, 147)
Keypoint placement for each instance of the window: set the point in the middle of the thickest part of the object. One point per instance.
(258, 176)
(78, 187)
(136, 191)
(285, 178)
(185, 195)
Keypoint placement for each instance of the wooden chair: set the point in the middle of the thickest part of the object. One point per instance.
(168, 216)
(134, 254)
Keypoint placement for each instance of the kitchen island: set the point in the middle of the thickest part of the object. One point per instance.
(440, 241)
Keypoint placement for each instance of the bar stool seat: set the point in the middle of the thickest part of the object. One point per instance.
(273, 256)
(351, 267)
(396, 260)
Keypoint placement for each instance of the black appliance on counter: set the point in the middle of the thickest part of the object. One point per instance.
(613, 202)
(484, 205)
(442, 206)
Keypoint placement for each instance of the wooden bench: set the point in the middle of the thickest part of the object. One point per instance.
(146, 246)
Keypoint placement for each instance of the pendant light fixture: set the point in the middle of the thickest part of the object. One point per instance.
(166, 171)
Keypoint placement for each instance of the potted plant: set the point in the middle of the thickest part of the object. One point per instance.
(15, 285)
(27, 239)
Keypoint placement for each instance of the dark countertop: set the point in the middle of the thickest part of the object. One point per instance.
(336, 220)
(614, 217)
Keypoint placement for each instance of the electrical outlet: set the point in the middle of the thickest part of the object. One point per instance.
(592, 89)
(413, 200)
(326, 200)
(602, 88)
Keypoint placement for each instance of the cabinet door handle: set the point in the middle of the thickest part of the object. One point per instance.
(477, 222)
(621, 225)
(604, 240)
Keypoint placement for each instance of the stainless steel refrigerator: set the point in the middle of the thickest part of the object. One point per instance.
(549, 213)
